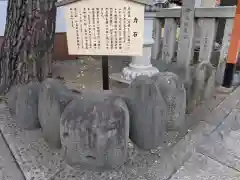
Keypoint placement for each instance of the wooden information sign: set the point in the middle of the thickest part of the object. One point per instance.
(105, 27)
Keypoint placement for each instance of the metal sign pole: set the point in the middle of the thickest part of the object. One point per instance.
(105, 77)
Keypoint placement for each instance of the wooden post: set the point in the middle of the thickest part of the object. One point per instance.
(233, 50)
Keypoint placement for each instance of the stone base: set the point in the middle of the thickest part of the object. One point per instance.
(222, 89)
(119, 78)
(133, 71)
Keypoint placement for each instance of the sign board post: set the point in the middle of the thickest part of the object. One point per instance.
(105, 28)
(105, 78)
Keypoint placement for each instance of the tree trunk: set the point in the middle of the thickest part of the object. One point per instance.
(26, 52)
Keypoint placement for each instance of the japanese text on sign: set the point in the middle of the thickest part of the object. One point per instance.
(107, 27)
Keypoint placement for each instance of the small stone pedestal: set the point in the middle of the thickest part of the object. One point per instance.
(140, 65)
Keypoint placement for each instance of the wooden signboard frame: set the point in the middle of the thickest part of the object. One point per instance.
(105, 76)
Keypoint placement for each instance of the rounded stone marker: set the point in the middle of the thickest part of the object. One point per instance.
(203, 86)
(53, 98)
(220, 73)
(27, 106)
(94, 135)
(174, 94)
(148, 113)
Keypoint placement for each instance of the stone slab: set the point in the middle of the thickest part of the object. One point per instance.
(204, 110)
(200, 167)
(8, 167)
(175, 157)
(223, 144)
(224, 108)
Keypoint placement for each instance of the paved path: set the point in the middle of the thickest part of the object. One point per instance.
(9, 169)
(210, 149)
(217, 155)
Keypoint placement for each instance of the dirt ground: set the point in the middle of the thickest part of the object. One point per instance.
(86, 72)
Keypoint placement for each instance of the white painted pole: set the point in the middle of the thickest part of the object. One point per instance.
(141, 65)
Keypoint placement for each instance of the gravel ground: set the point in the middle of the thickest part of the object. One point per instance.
(86, 72)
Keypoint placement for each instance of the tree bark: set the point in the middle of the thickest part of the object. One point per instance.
(26, 52)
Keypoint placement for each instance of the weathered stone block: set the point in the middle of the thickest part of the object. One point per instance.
(199, 80)
(94, 134)
(148, 112)
(183, 73)
(12, 99)
(53, 98)
(203, 86)
(27, 106)
(174, 94)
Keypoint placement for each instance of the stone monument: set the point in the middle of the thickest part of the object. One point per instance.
(148, 113)
(95, 131)
(54, 96)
